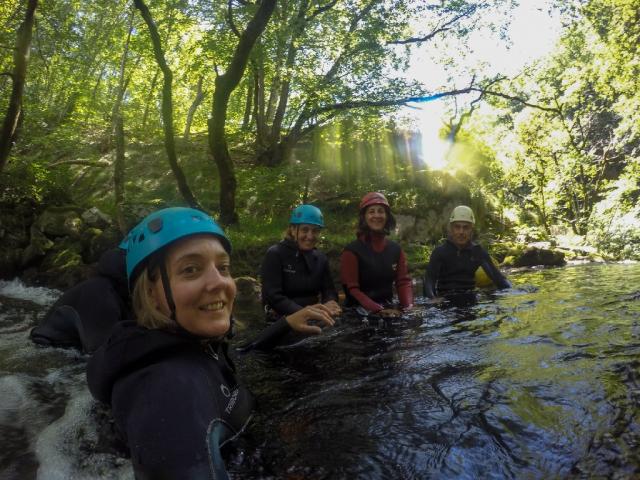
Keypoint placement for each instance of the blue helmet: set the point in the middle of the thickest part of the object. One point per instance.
(306, 214)
(163, 227)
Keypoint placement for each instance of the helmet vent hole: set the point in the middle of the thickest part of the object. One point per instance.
(141, 238)
(155, 225)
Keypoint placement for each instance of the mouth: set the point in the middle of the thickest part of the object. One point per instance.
(213, 306)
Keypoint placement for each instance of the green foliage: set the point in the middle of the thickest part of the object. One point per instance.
(615, 225)
(563, 159)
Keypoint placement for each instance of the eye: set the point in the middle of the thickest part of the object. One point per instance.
(190, 269)
(224, 269)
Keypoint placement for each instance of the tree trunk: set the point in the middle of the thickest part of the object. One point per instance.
(117, 129)
(21, 60)
(150, 96)
(259, 105)
(225, 84)
(246, 119)
(298, 28)
(167, 107)
(192, 109)
(277, 152)
(118, 173)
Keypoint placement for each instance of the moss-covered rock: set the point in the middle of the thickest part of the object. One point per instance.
(60, 222)
(38, 246)
(534, 256)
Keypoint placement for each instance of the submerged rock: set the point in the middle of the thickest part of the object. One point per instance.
(248, 288)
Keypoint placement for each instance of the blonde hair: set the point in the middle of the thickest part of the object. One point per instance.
(144, 306)
(288, 233)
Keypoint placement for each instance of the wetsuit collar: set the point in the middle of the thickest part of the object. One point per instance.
(468, 246)
(377, 240)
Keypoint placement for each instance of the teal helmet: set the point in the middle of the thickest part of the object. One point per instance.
(306, 214)
(164, 227)
(124, 243)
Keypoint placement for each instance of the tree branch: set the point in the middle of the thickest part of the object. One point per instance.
(440, 29)
(230, 21)
(320, 10)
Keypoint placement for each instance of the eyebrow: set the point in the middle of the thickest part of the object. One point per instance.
(195, 256)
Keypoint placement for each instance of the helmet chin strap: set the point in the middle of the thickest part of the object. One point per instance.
(167, 291)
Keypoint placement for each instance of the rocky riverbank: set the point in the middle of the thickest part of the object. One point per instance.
(59, 246)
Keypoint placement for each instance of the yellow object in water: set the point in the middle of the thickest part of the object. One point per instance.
(482, 279)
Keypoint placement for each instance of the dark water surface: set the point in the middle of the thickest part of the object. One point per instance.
(540, 381)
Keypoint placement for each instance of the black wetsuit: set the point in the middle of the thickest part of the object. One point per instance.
(175, 399)
(453, 269)
(84, 315)
(293, 279)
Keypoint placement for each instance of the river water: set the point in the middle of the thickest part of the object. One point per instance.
(540, 381)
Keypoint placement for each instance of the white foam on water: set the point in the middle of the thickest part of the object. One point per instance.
(14, 399)
(18, 290)
(61, 448)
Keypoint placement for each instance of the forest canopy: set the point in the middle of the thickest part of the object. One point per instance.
(247, 108)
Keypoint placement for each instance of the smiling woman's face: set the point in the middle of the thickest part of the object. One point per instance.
(201, 285)
(305, 235)
(376, 217)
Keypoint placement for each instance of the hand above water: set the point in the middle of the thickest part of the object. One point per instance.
(436, 300)
(298, 320)
(334, 308)
(390, 312)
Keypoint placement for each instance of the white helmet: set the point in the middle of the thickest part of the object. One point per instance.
(462, 213)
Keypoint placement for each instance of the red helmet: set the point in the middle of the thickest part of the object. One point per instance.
(373, 198)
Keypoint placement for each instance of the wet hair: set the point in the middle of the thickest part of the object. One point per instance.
(364, 229)
(144, 305)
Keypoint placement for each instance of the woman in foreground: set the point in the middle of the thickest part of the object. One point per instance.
(168, 378)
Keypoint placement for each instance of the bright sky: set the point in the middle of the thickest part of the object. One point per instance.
(533, 34)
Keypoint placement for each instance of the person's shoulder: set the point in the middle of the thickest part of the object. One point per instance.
(393, 246)
(442, 247)
(354, 245)
(478, 248)
(393, 243)
(319, 254)
(273, 249)
(166, 363)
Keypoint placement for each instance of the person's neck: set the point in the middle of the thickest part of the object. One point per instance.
(459, 247)
(377, 240)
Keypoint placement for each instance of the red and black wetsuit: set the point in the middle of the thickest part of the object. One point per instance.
(369, 266)
(453, 269)
(294, 278)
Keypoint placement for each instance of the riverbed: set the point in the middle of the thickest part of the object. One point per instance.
(539, 381)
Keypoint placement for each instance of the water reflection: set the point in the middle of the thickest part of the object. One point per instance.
(537, 382)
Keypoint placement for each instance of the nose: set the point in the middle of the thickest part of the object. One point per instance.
(213, 277)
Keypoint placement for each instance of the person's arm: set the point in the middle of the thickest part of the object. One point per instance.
(272, 288)
(404, 284)
(431, 275)
(329, 296)
(328, 287)
(351, 282)
(271, 336)
(496, 276)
